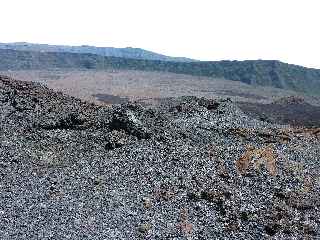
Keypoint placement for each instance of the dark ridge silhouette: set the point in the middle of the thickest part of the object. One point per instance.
(129, 52)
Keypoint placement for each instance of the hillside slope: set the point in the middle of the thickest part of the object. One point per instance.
(188, 169)
(135, 53)
(288, 110)
(259, 72)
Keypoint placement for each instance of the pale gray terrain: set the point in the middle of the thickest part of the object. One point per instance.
(110, 86)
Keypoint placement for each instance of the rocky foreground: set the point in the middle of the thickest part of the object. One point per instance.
(188, 168)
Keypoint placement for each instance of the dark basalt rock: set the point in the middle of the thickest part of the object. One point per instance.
(186, 168)
(115, 140)
(127, 121)
(209, 104)
(70, 122)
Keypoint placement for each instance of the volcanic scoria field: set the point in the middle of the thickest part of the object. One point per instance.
(185, 168)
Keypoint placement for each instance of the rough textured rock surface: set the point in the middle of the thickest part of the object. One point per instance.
(288, 110)
(189, 168)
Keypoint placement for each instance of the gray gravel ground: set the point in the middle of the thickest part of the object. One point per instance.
(189, 168)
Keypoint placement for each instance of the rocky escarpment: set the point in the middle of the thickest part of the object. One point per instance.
(253, 72)
(188, 168)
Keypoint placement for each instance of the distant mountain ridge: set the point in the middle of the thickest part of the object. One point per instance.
(254, 72)
(134, 53)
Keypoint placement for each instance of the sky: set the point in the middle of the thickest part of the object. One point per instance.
(285, 30)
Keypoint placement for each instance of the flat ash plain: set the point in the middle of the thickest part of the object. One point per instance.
(139, 85)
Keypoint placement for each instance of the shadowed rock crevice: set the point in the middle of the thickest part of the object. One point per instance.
(70, 122)
(127, 121)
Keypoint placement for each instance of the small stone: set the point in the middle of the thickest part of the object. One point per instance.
(144, 228)
(147, 202)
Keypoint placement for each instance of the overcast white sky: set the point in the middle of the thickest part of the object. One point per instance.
(287, 30)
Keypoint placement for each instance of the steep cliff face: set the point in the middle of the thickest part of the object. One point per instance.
(260, 72)
(186, 168)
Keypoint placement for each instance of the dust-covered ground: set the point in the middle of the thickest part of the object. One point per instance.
(92, 85)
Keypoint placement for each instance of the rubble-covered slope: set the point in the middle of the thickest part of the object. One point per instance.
(189, 168)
